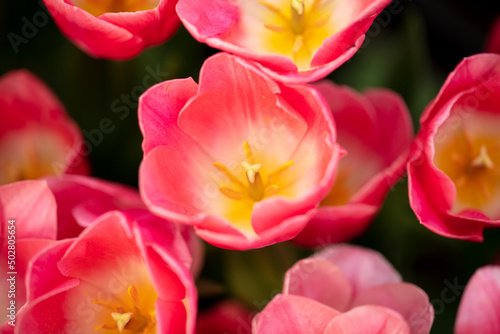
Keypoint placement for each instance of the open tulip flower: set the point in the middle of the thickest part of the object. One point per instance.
(292, 40)
(375, 129)
(114, 278)
(115, 29)
(480, 305)
(346, 289)
(454, 170)
(242, 158)
(37, 138)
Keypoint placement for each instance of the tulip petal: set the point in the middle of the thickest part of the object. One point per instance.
(480, 304)
(363, 268)
(288, 314)
(406, 299)
(368, 320)
(307, 278)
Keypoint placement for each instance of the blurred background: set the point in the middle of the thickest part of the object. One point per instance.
(411, 51)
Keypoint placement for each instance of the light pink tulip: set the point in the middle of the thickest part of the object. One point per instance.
(113, 277)
(291, 40)
(375, 129)
(115, 29)
(289, 314)
(28, 224)
(453, 172)
(240, 157)
(37, 138)
(479, 310)
(347, 277)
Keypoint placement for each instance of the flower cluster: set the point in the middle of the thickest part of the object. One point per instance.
(256, 152)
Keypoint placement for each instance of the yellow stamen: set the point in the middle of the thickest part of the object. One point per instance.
(273, 9)
(322, 20)
(271, 190)
(121, 319)
(483, 160)
(274, 28)
(281, 169)
(251, 170)
(134, 294)
(232, 194)
(248, 152)
(223, 169)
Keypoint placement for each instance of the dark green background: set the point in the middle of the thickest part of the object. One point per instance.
(412, 53)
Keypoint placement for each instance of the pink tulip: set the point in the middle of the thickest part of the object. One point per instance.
(480, 305)
(493, 40)
(289, 314)
(226, 317)
(81, 200)
(453, 172)
(242, 158)
(347, 277)
(114, 277)
(376, 130)
(37, 137)
(291, 40)
(115, 29)
(28, 224)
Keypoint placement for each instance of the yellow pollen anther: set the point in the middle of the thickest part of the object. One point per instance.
(121, 319)
(483, 160)
(248, 152)
(232, 194)
(271, 190)
(251, 170)
(134, 294)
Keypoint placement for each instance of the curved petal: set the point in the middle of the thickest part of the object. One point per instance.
(320, 280)
(406, 299)
(363, 268)
(480, 304)
(33, 207)
(288, 314)
(117, 36)
(334, 224)
(368, 320)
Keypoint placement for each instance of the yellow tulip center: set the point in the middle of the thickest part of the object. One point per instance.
(253, 188)
(99, 7)
(471, 159)
(132, 315)
(30, 154)
(296, 29)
